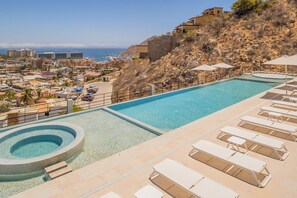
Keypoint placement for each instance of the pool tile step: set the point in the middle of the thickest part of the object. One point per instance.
(60, 172)
(55, 167)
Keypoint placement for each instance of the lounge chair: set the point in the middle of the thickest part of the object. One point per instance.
(290, 98)
(111, 195)
(293, 91)
(284, 112)
(276, 145)
(191, 181)
(274, 126)
(284, 103)
(148, 191)
(235, 159)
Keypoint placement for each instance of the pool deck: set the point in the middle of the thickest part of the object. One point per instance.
(128, 171)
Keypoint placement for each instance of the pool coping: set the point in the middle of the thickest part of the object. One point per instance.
(11, 167)
(147, 127)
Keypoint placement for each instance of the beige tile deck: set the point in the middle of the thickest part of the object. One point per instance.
(128, 171)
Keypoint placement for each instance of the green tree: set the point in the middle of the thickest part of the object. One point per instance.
(243, 7)
(71, 75)
(4, 107)
(27, 96)
(9, 95)
(59, 75)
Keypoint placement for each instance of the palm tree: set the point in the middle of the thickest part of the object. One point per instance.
(9, 95)
(27, 96)
(70, 75)
(38, 91)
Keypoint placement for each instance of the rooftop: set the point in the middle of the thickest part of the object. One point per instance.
(134, 166)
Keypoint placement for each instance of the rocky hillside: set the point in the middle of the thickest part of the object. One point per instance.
(244, 42)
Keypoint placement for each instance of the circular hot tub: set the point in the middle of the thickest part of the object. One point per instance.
(29, 149)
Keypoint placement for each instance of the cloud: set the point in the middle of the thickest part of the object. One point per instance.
(55, 45)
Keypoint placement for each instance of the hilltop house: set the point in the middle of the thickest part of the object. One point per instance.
(154, 48)
(195, 22)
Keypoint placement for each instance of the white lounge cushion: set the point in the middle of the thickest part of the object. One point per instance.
(192, 181)
(254, 137)
(268, 123)
(281, 111)
(239, 159)
(210, 189)
(289, 104)
(247, 162)
(239, 132)
(271, 142)
(214, 149)
(178, 173)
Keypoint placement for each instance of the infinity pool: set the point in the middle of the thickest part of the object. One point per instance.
(173, 110)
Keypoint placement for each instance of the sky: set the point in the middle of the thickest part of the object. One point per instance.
(93, 23)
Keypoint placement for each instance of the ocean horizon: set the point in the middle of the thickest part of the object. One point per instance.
(98, 54)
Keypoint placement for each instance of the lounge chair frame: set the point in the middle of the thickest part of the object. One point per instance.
(273, 129)
(224, 131)
(263, 170)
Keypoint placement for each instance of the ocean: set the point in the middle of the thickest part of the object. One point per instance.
(98, 54)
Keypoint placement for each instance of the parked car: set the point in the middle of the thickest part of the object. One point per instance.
(88, 97)
(92, 89)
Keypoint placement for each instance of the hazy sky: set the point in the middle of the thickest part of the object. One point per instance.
(93, 23)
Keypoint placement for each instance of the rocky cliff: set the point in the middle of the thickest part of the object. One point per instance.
(244, 42)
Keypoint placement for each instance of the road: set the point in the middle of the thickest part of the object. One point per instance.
(102, 97)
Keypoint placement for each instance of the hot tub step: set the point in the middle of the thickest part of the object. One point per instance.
(60, 172)
(55, 167)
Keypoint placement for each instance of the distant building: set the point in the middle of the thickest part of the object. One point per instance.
(143, 51)
(47, 55)
(61, 55)
(156, 47)
(21, 53)
(216, 11)
(198, 21)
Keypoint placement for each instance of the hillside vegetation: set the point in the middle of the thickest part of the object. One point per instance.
(244, 40)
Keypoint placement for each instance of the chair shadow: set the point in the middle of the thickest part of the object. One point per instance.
(170, 188)
(293, 83)
(273, 96)
(288, 87)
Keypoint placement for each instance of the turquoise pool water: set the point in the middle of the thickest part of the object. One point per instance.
(173, 110)
(36, 146)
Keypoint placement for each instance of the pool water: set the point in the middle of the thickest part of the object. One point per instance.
(36, 146)
(173, 110)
